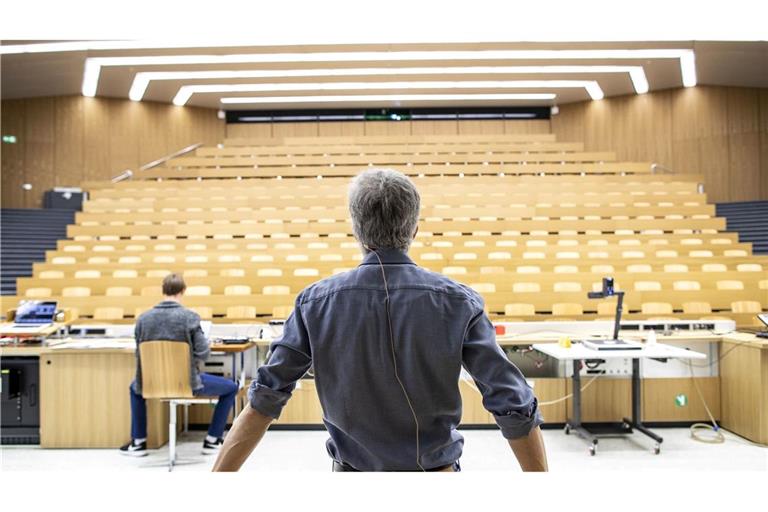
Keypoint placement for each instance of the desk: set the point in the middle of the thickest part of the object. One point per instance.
(578, 353)
(84, 400)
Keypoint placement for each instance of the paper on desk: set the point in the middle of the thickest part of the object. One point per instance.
(96, 343)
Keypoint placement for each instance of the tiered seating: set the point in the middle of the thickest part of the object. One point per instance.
(532, 244)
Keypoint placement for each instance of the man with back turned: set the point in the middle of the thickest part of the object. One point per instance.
(387, 342)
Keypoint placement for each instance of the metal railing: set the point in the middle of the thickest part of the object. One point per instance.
(658, 168)
(128, 173)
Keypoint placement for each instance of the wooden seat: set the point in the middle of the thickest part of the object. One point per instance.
(526, 287)
(75, 291)
(241, 312)
(645, 286)
(237, 289)
(697, 308)
(108, 313)
(282, 311)
(276, 290)
(165, 375)
(38, 293)
(686, 285)
(483, 287)
(729, 284)
(519, 309)
(746, 306)
(118, 291)
(567, 308)
(567, 287)
(656, 308)
(205, 312)
(194, 291)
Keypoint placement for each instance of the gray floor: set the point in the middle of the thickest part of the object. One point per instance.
(484, 450)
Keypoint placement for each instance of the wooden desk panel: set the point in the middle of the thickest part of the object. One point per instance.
(744, 387)
(85, 403)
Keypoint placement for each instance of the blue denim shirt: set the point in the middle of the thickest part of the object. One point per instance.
(339, 327)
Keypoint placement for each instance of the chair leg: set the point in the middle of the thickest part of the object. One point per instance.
(172, 436)
(186, 418)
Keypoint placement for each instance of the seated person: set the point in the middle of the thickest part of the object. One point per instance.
(169, 320)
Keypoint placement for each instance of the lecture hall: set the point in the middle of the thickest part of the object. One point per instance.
(383, 254)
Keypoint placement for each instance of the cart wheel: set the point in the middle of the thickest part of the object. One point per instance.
(625, 425)
(592, 450)
(567, 429)
(656, 449)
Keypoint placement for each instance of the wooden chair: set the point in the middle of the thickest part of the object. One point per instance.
(697, 308)
(746, 306)
(38, 293)
(241, 312)
(567, 308)
(282, 311)
(519, 309)
(205, 312)
(165, 376)
(108, 313)
(118, 291)
(656, 308)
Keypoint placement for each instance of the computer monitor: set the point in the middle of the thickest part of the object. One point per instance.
(35, 313)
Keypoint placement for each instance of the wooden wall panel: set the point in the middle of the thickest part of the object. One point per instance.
(252, 131)
(39, 148)
(481, 127)
(719, 132)
(13, 156)
(294, 130)
(353, 128)
(65, 140)
(434, 127)
(532, 126)
(387, 128)
(69, 153)
(341, 129)
(763, 128)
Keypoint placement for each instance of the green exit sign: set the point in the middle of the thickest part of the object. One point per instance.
(9, 139)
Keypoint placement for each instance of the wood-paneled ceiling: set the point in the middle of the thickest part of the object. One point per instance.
(375, 75)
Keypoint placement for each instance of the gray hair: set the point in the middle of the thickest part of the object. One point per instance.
(384, 205)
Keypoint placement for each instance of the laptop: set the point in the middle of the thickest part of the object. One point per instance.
(760, 333)
(34, 314)
(603, 344)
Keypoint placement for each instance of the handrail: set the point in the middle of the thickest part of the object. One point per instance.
(128, 173)
(656, 165)
(164, 159)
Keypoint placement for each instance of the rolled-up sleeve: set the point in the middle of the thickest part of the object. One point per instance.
(276, 379)
(506, 394)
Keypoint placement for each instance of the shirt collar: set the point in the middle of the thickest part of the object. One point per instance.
(168, 304)
(388, 256)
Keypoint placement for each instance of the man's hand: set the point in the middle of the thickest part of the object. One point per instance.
(530, 451)
(247, 431)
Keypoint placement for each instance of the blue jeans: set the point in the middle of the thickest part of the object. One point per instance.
(225, 389)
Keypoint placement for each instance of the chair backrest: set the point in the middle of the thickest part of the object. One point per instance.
(697, 307)
(108, 313)
(165, 367)
(746, 306)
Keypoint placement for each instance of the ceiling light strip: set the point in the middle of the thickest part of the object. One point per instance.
(90, 80)
(186, 92)
(142, 79)
(388, 97)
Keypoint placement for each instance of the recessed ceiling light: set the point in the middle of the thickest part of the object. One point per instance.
(185, 92)
(142, 79)
(389, 97)
(93, 65)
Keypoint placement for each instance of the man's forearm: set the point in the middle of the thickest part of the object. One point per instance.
(530, 451)
(247, 431)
